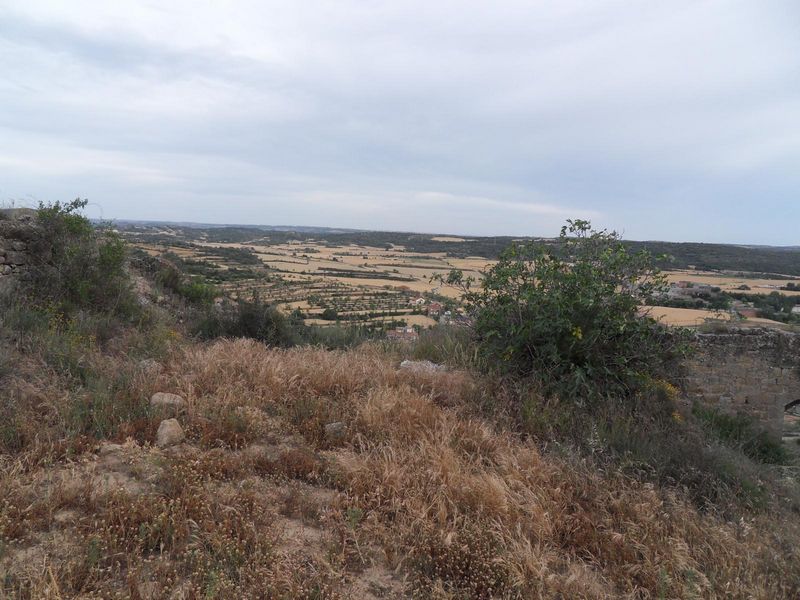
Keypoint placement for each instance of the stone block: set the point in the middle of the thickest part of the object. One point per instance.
(16, 258)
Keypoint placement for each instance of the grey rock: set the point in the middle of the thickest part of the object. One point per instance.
(335, 432)
(5, 270)
(18, 245)
(165, 399)
(170, 433)
(422, 366)
(108, 448)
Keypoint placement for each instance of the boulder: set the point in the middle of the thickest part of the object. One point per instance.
(421, 366)
(108, 448)
(18, 245)
(5, 270)
(170, 433)
(335, 432)
(166, 400)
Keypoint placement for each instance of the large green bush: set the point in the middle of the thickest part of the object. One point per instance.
(247, 318)
(194, 290)
(569, 315)
(76, 265)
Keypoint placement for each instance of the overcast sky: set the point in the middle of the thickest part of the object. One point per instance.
(673, 120)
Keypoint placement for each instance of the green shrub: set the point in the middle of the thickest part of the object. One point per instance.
(333, 337)
(446, 344)
(329, 314)
(193, 290)
(743, 433)
(251, 319)
(258, 320)
(77, 266)
(648, 439)
(568, 315)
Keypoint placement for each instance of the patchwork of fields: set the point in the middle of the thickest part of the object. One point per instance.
(360, 284)
(329, 278)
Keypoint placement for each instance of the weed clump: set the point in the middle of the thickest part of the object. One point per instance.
(742, 433)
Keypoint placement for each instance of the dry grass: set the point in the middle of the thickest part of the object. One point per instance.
(524, 525)
(419, 499)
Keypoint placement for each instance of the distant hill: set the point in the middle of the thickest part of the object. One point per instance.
(726, 257)
(126, 224)
(678, 255)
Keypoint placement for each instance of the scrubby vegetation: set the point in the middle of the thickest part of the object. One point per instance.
(316, 473)
(571, 319)
(740, 432)
(78, 266)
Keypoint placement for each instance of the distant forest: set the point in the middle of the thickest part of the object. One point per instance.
(711, 257)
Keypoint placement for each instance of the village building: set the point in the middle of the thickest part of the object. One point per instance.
(434, 309)
(744, 309)
(402, 334)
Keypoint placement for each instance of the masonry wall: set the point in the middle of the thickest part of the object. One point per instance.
(17, 230)
(751, 371)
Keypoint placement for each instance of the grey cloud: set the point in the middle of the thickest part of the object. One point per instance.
(351, 113)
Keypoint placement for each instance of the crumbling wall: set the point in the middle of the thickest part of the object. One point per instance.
(17, 231)
(751, 371)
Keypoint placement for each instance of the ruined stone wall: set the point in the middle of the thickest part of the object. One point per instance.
(751, 371)
(17, 230)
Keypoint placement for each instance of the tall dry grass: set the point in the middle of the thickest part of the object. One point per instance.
(476, 512)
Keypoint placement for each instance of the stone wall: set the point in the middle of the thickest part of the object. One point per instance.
(751, 371)
(17, 230)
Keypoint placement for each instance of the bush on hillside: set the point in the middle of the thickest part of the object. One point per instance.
(253, 319)
(743, 433)
(76, 265)
(568, 315)
(193, 290)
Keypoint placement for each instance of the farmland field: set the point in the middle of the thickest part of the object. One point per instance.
(325, 282)
(382, 279)
(732, 283)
